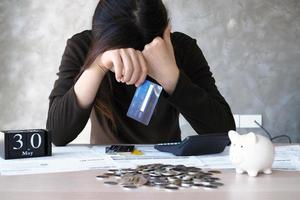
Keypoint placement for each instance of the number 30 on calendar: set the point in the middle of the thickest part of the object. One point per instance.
(25, 143)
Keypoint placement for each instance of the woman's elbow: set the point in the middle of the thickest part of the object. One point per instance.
(56, 134)
(229, 123)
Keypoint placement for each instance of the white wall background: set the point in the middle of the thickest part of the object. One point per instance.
(253, 48)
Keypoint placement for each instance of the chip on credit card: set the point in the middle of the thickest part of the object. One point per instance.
(144, 101)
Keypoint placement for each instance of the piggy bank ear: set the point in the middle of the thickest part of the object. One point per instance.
(251, 138)
(233, 136)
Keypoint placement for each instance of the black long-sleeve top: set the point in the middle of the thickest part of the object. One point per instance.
(196, 97)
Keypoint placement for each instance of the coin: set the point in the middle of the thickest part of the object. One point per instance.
(111, 173)
(168, 173)
(160, 182)
(198, 185)
(107, 174)
(112, 170)
(186, 184)
(102, 176)
(202, 183)
(214, 178)
(171, 187)
(155, 174)
(129, 186)
(207, 173)
(210, 186)
(187, 178)
(175, 182)
(173, 178)
(170, 177)
(214, 171)
(142, 181)
(217, 183)
(110, 183)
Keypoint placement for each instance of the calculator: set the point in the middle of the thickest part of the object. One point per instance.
(196, 145)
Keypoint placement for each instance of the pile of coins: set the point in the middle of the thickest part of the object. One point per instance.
(171, 177)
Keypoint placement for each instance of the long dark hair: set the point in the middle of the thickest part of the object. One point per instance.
(123, 24)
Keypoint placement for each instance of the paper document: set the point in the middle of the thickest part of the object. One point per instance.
(86, 157)
(287, 158)
(63, 159)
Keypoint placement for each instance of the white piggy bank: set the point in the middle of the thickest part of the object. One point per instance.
(252, 153)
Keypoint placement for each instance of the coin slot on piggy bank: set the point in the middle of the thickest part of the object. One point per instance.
(25, 143)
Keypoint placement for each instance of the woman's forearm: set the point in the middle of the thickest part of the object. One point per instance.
(68, 114)
(87, 85)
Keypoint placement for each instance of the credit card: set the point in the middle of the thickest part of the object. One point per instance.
(144, 102)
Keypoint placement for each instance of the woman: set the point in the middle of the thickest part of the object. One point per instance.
(100, 69)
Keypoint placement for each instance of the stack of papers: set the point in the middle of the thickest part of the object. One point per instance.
(287, 158)
(84, 157)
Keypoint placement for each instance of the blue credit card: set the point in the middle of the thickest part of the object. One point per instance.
(144, 101)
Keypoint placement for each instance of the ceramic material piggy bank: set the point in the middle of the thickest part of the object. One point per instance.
(252, 153)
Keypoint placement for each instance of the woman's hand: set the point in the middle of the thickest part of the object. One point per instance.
(160, 58)
(128, 65)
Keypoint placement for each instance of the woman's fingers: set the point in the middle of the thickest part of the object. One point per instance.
(136, 67)
(117, 67)
(144, 69)
(128, 65)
